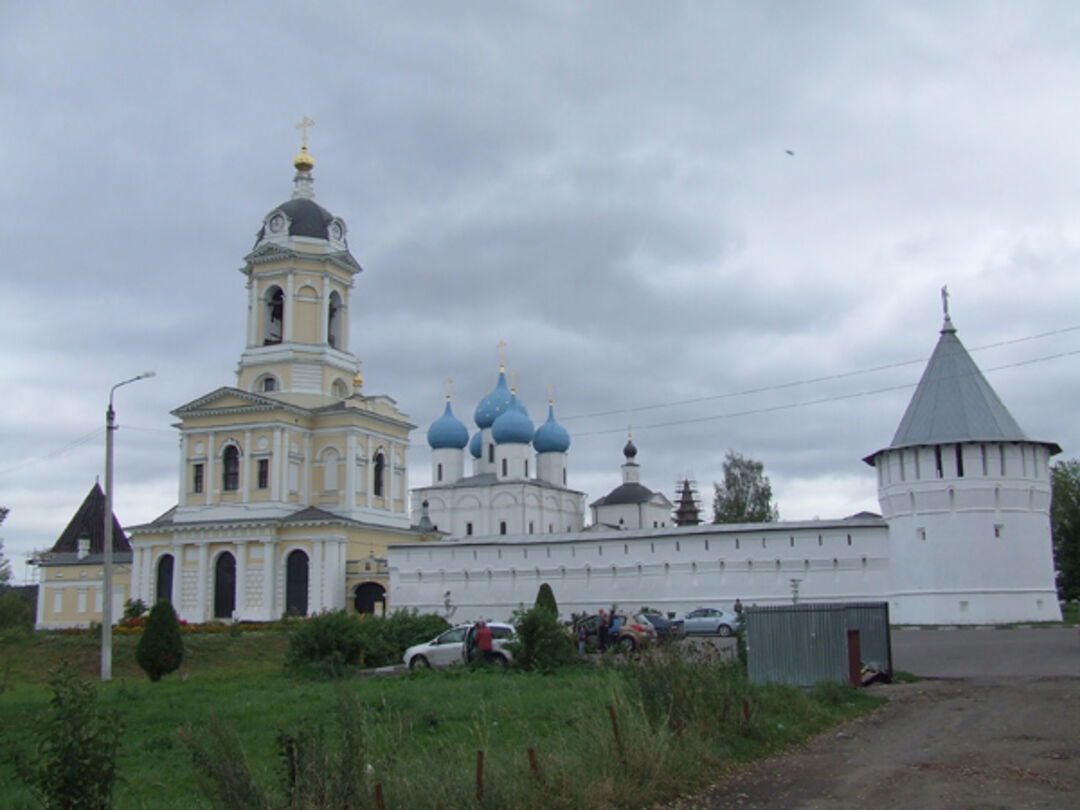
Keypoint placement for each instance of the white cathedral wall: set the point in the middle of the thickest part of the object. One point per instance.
(672, 571)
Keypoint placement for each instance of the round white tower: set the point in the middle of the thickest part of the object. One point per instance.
(966, 495)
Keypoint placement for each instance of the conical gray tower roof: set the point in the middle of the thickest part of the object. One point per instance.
(954, 403)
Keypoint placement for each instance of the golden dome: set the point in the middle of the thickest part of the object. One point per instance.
(303, 160)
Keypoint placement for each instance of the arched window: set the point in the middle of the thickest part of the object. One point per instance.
(338, 389)
(379, 473)
(230, 469)
(296, 583)
(163, 592)
(330, 470)
(225, 586)
(268, 384)
(273, 316)
(333, 320)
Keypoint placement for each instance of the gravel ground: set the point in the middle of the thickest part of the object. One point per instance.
(943, 743)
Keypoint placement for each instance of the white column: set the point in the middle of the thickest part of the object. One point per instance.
(340, 583)
(290, 314)
(316, 599)
(286, 452)
(350, 473)
(200, 612)
(269, 580)
(253, 313)
(305, 472)
(241, 580)
(324, 320)
(245, 460)
(208, 481)
(177, 579)
(181, 496)
(334, 576)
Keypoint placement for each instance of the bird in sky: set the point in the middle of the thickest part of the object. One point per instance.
(790, 152)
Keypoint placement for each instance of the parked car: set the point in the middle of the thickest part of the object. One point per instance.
(634, 630)
(710, 620)
(448, 648)
(661, 624)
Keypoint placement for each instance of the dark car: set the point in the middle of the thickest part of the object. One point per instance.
(661, 624)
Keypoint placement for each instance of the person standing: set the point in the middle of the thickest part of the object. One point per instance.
(601, 630)
(484, 641)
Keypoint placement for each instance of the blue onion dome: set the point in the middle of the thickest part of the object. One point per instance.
(476, 446)
(514, 425)
(447, 432)
(494, 404)
(551, 437)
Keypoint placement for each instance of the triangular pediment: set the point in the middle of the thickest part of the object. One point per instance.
(229, 399)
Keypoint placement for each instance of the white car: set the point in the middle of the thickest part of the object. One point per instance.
(448, 648)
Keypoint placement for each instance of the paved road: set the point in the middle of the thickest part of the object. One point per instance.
(1052, 652)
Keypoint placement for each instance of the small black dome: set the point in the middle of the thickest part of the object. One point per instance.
(306, 218)
(629, 451)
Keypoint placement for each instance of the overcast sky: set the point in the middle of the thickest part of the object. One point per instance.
(608, 187)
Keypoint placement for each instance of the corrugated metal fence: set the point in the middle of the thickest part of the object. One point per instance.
(804, 644)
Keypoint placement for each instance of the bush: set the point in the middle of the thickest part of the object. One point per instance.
(161, 649)
(385, 639)
(134, 608)
(15, 612)
(542, 643)
(74, 761)
(327, 645)
(545, 598)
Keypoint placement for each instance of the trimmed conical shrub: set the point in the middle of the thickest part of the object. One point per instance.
(161, 648)
(545, 598)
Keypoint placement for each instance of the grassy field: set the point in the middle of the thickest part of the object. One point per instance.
(680, 724)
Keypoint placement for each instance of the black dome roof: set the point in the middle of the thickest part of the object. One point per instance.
(626, 493)
(306, 218)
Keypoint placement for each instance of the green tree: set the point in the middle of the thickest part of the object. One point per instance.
(1065, 526)
(542, 643)
(161, 647)
(545, 598)
(745, 495)
(74, 760)
(5, 563)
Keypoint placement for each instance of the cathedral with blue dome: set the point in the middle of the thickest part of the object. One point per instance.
(517, 481)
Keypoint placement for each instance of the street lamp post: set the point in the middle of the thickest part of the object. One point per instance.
(106, 597)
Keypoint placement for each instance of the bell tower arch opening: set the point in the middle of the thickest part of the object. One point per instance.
(334, 334)
(273, 316)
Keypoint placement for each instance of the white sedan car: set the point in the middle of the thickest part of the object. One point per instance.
(448, 648)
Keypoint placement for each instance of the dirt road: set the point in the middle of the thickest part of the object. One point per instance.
(939, 744)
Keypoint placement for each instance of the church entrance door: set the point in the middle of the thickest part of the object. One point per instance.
(225, 586)
(164, 579)
(368, 595)
(296, 584)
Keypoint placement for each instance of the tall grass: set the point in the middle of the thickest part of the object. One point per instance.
(680, 724)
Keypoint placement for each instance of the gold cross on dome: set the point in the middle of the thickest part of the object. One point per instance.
(513, 382)
(501, 346)
(304, 126)
(449, 384)
(551, 394)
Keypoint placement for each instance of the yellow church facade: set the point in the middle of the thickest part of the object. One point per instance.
(294, 481)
